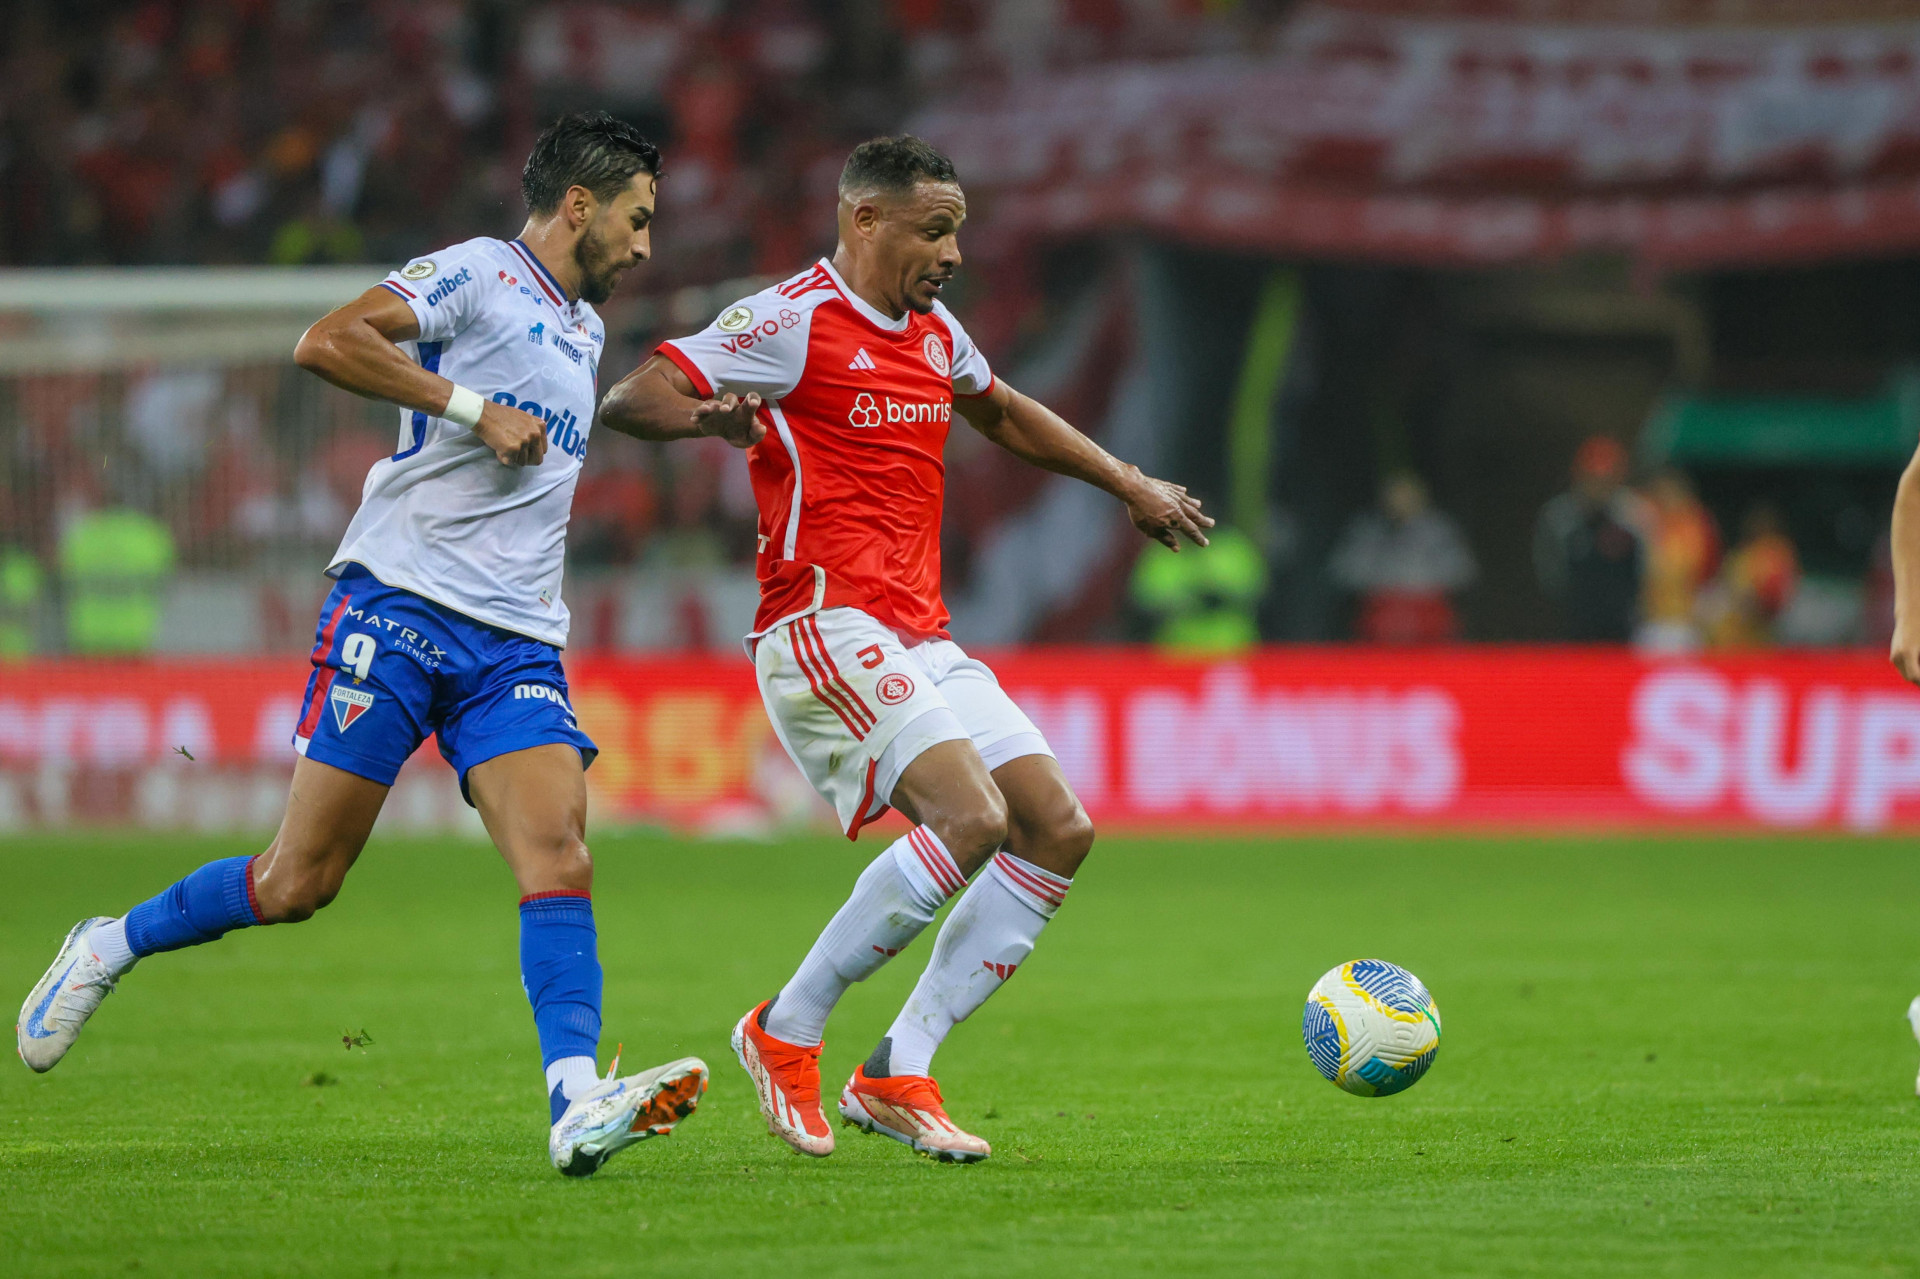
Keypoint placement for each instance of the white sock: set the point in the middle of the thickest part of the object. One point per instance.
(895, 897)
(108, 942)
(572, 1076)
(987, 936)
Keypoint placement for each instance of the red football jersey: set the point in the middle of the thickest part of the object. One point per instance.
(849, 478)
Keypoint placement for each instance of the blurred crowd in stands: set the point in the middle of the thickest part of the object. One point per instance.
(294, 131)
(333, 131)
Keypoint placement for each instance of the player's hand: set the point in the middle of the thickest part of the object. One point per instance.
(734, 418)
(1906, 652)
(516, 438)
(1166, 512)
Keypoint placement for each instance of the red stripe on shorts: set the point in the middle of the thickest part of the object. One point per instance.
(862, 817)
(317, 700)
(830, 674)
(827, 656)
(802, 650)
(321, 649)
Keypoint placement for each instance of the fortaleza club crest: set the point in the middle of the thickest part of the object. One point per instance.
(349, 704)
(936, 353)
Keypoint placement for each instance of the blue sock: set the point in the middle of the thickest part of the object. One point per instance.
(212, 901)
(560, 968)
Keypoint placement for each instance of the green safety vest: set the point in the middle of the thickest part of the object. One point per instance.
(1206, 598)
(20, 586)
(114, 563)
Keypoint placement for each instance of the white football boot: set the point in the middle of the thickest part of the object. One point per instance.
(909, 1109)
(1913, 1019)
(615, 1113)
(59, 1005)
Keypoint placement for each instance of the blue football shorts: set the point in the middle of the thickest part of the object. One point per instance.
(390, 667)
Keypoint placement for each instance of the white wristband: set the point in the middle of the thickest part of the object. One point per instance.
(463, 407)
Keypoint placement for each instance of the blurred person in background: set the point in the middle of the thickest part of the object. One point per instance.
(1589, 547)
(22, 585)
(113, 564)
(1683, 550)
(1203, 603)
(1404, 560)
(1755, 584)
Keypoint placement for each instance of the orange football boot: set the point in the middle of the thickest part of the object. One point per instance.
(786, 1078)
(909, 1109)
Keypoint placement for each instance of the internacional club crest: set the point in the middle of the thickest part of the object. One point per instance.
(936, 352)
(894, 689)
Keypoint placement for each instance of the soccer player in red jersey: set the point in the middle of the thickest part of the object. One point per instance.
(842, 383)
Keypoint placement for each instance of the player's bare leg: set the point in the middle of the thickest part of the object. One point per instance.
(1913, 1020)
(985, 939)
(330, 813)
(1045, 823)
(534, 804)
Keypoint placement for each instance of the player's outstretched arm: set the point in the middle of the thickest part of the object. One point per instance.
(657, 401)
(1033, 432)
(353, 348)
(1906, 573)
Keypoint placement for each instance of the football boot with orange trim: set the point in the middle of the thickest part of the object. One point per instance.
(909, 1109)
(786, 1079)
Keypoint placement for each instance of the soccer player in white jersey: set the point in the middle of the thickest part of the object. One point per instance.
(446, 617)
(852, 372)
(1905, 545)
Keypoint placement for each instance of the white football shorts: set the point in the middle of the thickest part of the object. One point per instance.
(854, 706)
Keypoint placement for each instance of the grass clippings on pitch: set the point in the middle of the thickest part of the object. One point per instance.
(1679, 1057)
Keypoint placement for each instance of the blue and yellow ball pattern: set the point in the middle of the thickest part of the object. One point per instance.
(1371, 1028)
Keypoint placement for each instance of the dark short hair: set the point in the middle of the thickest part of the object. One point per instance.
(894, 164)
(587, 149)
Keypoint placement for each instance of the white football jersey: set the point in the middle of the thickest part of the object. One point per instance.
(441, 517)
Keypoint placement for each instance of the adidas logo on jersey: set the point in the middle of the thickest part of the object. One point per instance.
(862, 361)
(1002, 971)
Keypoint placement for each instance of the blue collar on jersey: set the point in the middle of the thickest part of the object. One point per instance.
(559, 294)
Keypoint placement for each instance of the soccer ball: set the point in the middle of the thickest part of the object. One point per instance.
(1371, 1027)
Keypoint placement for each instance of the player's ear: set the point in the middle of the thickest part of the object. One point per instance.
(580, 206)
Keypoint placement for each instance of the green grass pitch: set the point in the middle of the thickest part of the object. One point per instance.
(1671, 1057)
